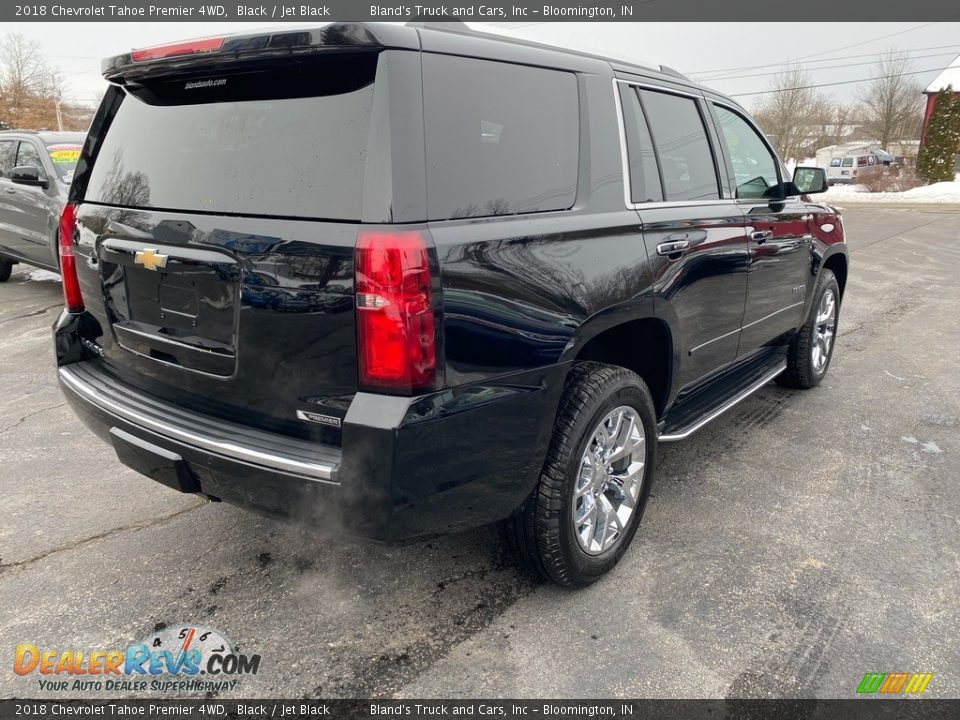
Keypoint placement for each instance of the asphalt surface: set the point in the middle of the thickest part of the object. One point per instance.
(794, 544)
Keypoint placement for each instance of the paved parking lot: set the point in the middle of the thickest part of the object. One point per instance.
(798, 542)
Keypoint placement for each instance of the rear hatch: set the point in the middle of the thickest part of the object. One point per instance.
(216, 235)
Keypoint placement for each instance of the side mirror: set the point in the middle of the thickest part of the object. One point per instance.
(28, 175)
(810, 180)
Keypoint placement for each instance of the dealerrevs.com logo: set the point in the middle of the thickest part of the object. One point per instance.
(182, 658)
(895, 683)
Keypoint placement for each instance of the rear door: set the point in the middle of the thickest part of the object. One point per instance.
(217, 230)
(777, 232)
(694, 236)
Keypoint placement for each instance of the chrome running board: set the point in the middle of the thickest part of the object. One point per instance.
(688, 431)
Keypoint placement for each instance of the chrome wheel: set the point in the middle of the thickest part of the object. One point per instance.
(824, 329)
(609, 480)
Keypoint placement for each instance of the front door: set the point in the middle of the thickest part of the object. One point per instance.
(777, 233)
(11, 239)
(38, 209)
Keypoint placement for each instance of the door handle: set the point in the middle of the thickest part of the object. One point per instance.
(761, 236)
(673, 247)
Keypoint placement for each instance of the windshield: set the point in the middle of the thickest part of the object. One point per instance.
(64, 157)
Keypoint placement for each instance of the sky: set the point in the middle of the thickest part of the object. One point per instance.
(739, 62)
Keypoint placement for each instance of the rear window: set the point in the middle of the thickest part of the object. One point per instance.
(501, 139)
(644, 174)
(64, 157)
(686, 161)
(288, 143)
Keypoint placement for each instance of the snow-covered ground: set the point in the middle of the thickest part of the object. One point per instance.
(943, 192)
(43, 276)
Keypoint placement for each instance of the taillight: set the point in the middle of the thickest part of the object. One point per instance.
(68, 260)
(190, 47)
(395, 330)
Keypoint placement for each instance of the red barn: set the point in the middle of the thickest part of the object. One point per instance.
(949, 77)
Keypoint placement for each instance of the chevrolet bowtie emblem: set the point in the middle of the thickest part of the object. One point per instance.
(150, 259)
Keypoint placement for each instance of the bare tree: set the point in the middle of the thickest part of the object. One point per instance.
(29, 87)
(891, 104)
(842, 122)
(790, 113)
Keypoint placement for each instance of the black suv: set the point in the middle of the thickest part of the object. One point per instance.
(402, 280)
(35, 173)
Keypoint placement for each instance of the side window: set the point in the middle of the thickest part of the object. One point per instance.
(754, 166)
(501, 139)
(8, 151)
(686, 161)
(27, 155)
(644, 175)
(835, 162)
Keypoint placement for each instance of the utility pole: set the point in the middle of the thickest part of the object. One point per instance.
(59, 116)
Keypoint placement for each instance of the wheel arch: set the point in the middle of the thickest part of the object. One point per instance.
(643, 345)
(837, 264)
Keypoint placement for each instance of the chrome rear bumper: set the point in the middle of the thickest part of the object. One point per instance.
(218, 437)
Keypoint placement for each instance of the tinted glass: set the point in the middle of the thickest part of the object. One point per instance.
(754, 167)
(290, 143)
(501, 139)
(848, 162)
(835, 162)
(8, 151)
(644, 175)
(27, 155)
(686, 162)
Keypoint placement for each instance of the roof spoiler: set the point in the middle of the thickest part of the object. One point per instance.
(228, 49)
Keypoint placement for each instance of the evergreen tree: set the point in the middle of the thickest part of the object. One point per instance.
(942, 141)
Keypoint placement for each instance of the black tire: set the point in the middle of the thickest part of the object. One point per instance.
(541, 534)
(6, 267)
(801, 371)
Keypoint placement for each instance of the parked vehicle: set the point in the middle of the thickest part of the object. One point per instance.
(35, 173)
(845, 169)
(397, 280)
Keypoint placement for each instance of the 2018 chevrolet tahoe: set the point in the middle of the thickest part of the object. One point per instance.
(402, 280)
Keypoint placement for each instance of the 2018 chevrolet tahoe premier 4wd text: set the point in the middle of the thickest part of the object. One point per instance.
(402, 280)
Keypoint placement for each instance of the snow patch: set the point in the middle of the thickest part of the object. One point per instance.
(931, 447)
(43, 276)
(942, 192)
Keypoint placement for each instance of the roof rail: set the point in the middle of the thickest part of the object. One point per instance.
(667, 70)
(451, 25)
